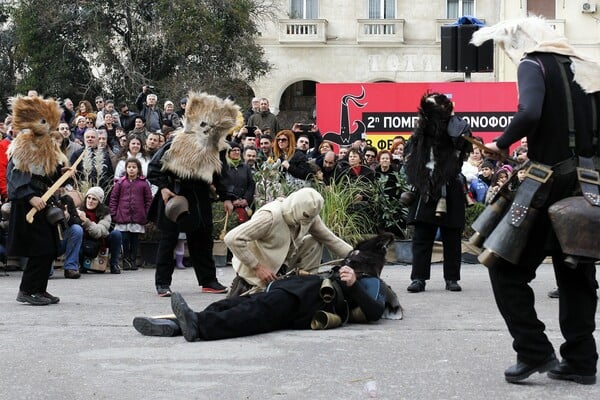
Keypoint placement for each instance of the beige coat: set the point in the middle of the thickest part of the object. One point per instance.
(267, 239)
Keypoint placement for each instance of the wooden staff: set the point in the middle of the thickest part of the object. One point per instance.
(55, 187)
(482, 147)
(224, 230)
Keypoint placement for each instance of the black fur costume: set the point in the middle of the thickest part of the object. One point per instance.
(435, 155)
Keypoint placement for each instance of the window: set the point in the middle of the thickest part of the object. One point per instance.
(305, 9)
(382, 9)
(459, 8)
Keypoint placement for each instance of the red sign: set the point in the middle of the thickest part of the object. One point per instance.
(379, 111)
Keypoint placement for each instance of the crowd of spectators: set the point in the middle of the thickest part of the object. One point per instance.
(117, 146)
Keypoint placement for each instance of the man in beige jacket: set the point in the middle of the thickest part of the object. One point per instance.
(287, 231)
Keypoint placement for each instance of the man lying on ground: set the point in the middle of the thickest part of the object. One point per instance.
(349, 292)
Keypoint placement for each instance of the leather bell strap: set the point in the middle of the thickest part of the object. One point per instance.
(589, 180)
(535, 176)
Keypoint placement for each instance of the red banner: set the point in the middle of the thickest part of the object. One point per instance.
(379, 111)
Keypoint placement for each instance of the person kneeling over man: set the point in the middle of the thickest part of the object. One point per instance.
(349, 292)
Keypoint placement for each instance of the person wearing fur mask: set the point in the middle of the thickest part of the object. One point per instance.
(435, 155)
(35, 163)
(185, 168)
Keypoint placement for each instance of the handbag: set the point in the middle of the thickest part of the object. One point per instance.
(98, 263)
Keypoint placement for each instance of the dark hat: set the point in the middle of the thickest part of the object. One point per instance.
(183, 101)
(177, 210)
(234, 145)
(487, 164)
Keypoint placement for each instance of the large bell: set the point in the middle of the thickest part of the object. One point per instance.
(508, 241)
(54, 215)
(488, 220)
(576, 223)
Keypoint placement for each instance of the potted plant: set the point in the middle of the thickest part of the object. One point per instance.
(392, 215)
(340, 213)
(219, 230)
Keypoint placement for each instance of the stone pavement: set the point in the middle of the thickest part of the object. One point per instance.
(449, 346)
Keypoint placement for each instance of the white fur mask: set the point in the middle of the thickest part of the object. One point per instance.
(519, 37)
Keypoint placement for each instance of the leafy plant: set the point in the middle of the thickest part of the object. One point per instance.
(340, 212)
(471, 214)
(270, 184)
(391, 215)
(218, 213)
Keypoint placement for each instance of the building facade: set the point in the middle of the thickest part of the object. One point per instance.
(323, 41)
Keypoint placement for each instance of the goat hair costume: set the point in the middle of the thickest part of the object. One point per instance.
(35, 150)
(434, 153)
(194, 151)
(519, 37)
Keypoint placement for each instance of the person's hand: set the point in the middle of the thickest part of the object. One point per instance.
(37, 202)
(166, 194)
(228, 206)
(285, 164)
(347, 275)
(319, 175)
(66, 212)
(495, 152)
(82, 216)
(264, 274)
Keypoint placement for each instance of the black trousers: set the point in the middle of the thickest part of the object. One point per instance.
(200, 246)
(577, 288)
(36, 273)
(247, 315)
(422, 247)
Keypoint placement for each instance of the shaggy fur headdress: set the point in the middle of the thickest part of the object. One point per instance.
(433, 160)
(194, 152)
(34, 150)
(520, 37)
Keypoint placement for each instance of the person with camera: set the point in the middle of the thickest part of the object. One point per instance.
(312, 139)
(146, 104)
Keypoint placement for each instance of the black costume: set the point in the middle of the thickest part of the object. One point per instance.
(435, 155)
(200, 240)
(289, 303)
(543, 117)
(39, 241)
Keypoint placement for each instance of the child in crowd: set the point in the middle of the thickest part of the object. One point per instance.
(479, 186)
(129, 204)
(500, 177)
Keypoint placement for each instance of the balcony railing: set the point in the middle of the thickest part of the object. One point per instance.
(380, 30)
(302, 30)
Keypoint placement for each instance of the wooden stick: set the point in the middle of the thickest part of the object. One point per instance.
(482, 147)
(224, 230)
(59, 182)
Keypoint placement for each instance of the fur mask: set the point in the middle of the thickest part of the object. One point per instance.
(433, 160)
(34, 150)
(368, 256)
(520, 37)
(194, 152)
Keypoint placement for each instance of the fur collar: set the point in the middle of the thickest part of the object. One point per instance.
(194, 150)
(36, 154)
(189, 158)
